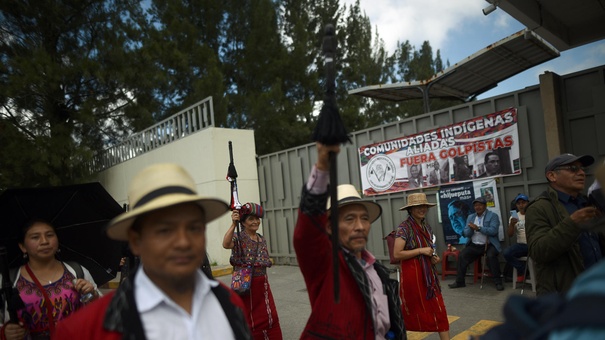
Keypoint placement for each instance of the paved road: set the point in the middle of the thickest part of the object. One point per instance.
(470, 310)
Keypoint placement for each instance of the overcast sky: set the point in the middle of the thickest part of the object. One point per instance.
(458, 28)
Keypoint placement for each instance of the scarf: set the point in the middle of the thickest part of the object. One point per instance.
(422, 238)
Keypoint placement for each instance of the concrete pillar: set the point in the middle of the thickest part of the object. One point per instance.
(550, 85)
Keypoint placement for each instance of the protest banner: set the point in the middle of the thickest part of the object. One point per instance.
(478, 148)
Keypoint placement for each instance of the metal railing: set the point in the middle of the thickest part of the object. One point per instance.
(182, 124)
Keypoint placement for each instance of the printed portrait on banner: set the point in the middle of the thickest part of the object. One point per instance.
(456, 204)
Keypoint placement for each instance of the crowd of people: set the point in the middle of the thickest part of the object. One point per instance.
(169, 296)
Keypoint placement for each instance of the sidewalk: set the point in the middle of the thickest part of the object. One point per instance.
(470, 309)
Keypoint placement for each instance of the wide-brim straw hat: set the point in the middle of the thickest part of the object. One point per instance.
(161, 186)
(415, 200)
(348, 195)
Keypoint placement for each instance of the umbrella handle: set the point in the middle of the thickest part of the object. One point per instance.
(334, 223)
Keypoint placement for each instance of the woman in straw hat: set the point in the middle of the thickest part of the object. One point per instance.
(422, 304)
(249, 249)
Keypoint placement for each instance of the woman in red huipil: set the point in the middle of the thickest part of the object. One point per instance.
(422, 303)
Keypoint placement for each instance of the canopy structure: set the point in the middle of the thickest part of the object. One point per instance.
(564, 24)
(474, 75)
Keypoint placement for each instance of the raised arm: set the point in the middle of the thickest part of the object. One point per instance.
(228, 238)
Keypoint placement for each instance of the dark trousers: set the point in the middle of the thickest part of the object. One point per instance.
(474, 251)
(512, 255)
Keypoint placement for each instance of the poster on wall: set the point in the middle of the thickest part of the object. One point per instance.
(478, 148)
(455, 204)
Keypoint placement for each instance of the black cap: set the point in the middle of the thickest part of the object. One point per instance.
(481, 200)
(568, 158)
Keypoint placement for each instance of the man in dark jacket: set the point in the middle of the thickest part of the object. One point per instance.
(558, 243)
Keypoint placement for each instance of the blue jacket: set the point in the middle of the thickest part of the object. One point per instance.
(491, 224)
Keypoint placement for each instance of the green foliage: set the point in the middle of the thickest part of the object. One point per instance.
(68, 71)
(77, 77)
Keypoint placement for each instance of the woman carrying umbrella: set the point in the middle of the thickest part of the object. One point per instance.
(49, 288)
(422, 304)
(249, 249)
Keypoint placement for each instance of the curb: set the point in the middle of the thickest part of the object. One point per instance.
(221, 270)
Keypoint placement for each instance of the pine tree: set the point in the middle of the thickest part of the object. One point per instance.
(69, 78)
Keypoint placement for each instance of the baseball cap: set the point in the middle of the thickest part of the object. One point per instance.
(568, 158)
(480, 200)
(521, 197)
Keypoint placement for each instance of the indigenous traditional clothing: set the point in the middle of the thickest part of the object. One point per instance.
(422, 303)
(354, 316)
(258, 302)
(64, 301)
(116, 316)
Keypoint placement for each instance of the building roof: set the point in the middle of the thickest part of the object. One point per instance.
(564, 24)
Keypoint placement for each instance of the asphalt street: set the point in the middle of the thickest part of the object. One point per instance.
(471, 310)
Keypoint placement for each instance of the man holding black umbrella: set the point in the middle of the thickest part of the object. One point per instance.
(369, 306)
(168, 297)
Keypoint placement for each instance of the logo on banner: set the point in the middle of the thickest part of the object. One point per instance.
(380, 172)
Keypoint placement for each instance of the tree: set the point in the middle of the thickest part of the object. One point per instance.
(72, 81)
(78, 77)
(184, 40)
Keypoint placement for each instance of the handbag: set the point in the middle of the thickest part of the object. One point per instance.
(241, 279)
(390, 238)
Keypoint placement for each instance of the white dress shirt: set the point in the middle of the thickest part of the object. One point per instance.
(163, 319)
(478, 237)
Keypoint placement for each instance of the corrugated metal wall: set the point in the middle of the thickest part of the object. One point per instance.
(582, 100)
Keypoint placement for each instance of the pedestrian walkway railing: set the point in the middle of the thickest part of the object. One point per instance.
(196, 117)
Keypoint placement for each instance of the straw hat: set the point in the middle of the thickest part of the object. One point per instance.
(161, 186)
(416, 200)
(347, 195)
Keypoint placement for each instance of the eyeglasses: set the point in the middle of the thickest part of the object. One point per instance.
(572, 168)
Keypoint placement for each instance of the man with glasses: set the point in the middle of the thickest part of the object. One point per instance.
(557, 224)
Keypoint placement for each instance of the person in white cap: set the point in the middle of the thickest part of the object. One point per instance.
(169, 297)
(556, 226)
(369, 306)
(516, 226)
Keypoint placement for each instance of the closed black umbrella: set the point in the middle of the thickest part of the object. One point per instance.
(331, 131)
(79, 213)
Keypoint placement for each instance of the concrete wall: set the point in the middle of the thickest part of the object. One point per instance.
(205, 155)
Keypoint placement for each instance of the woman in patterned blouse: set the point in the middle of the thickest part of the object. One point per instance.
(61, 289)
(249, 249)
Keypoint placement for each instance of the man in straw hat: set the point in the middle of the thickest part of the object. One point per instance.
(557, 223)
(482, 232)
(169, 297)
(369, 307)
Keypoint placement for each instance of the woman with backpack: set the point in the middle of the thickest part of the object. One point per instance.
(50, 290)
